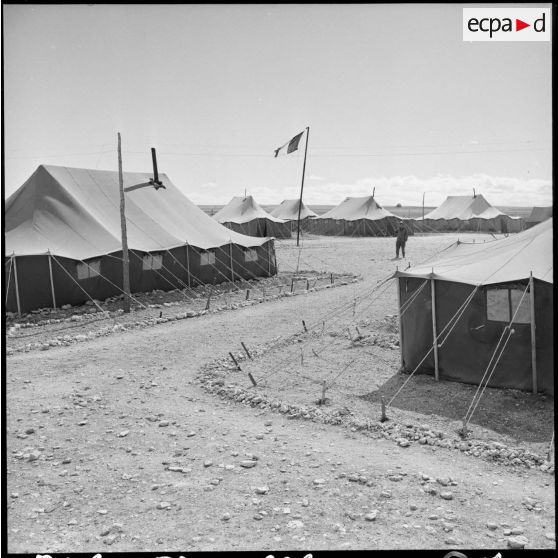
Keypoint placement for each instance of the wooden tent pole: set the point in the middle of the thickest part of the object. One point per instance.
(231, 257)
(16, 285)
(51, 279)
(125, 256)
(187, 266)
(434, 328)
(533, 332)
(400, 317)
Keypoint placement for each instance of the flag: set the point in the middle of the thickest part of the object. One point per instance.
(291, 145)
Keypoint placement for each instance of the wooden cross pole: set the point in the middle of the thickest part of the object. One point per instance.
(125, 256)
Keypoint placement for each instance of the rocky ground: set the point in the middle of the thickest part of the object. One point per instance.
(137, 440)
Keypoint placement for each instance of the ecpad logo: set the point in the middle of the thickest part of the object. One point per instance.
(506, 24)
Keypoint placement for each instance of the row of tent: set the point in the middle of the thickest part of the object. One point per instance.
(364, 216)
(63, 246)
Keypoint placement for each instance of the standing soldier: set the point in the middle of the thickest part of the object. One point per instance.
(402, 236)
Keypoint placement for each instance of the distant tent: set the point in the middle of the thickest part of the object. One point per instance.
(244, 215)
(63, 240)
(288, 210)
(467, 213)
(538, 215)
(359, 216)
(482, 285)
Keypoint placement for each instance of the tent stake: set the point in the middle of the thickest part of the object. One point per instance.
(51, 280)
(209, 295)
(434, 333)
(247, 294)
(235, 362)
(252, 379)
(533, 332)
(304, 326)
(383, 418)
(16, 286)
(323, 399)
(244, 347)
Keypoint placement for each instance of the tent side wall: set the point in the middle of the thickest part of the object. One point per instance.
(416, 324)
(544, 321)
(359, 227)
(181, 267)
(467, 351)
(260, 227)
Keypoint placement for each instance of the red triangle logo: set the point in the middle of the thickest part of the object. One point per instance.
(519, 25)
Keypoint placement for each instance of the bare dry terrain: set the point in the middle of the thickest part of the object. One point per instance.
(147, 437)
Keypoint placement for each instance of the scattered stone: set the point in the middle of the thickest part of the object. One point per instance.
(492, 526)
(372, 515)
(262, 490)
(319, 482)
(111, 539)
(295, 524)
(446, 495)
(208, 463)
(164, 423)
(550, 536)
(163, 505)
(248, 464)
(403, 442)
(123, 434)
(518, 542)
(226, 517)
(30, 431)
(385, 494)
(517, 531)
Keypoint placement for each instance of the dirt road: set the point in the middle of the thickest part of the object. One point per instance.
(111, 445)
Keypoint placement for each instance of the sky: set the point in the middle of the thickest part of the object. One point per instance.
(394, 98)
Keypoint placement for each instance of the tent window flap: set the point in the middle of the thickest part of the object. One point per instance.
(86, 270)
(152, 261)
(250, 255)
(502, 304)
(207, 258)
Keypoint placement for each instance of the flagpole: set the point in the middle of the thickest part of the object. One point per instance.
(302, 186)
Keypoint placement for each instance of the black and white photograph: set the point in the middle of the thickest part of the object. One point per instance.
(278, 278)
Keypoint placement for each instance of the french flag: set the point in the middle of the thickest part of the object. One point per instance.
(290, 146)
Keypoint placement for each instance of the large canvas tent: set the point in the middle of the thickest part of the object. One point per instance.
(470, 294)
(288, 211)
(246, 216)
(357, 216)
(538, 215)
(467, 213)
(63, 240)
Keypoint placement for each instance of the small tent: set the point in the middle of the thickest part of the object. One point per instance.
(357, 216)
(63, 240)
(467, 213)
(288, 210)
(538, 215)
(471, 294)
(246, 216)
